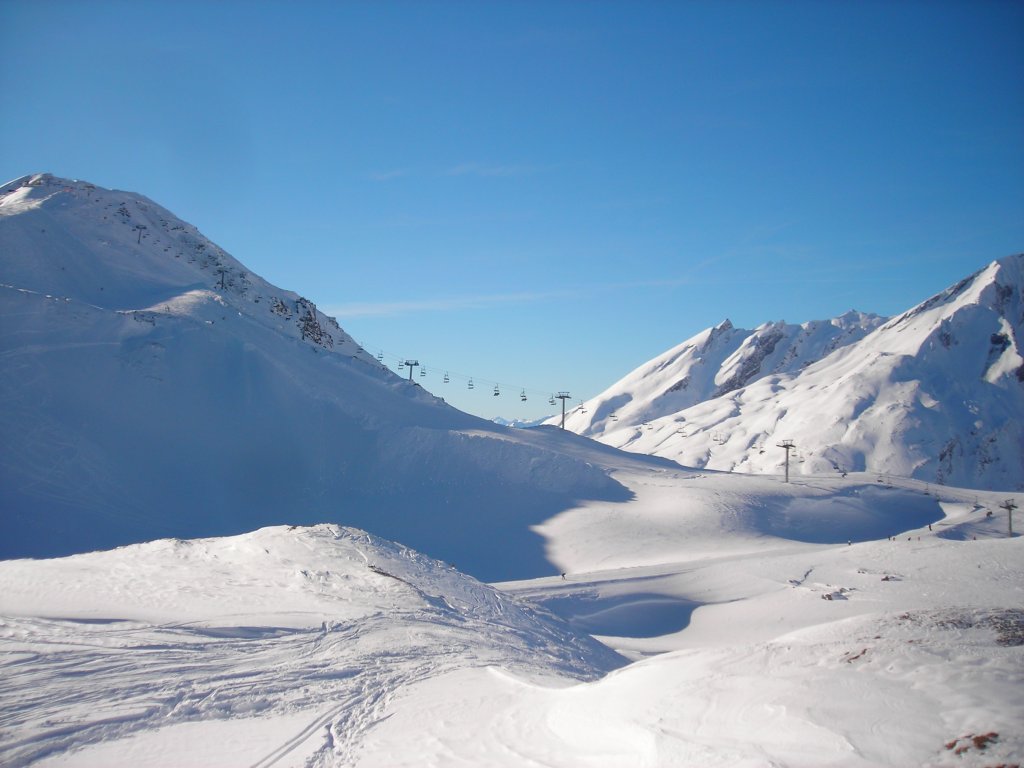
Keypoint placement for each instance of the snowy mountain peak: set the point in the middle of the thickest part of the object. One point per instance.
(996, 286)
(143, 259)
(856, 319)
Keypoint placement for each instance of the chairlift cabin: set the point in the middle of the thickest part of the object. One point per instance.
(380, 356)
(446, 379)
(496, 390)
(522, 395)
(423, 372)
(470, 383)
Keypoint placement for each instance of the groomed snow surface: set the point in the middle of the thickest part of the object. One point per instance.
(748, 632)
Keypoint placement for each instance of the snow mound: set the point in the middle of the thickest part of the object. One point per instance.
(309, 631)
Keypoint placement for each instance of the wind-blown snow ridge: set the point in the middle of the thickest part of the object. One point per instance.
(936, 393)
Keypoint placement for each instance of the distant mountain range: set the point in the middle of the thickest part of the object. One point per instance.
(520, 423)
(153, 386)
(936, 393)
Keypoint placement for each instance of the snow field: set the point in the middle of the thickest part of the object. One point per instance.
(339, 648)
(919, 646)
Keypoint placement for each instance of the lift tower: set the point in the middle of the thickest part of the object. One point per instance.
(787, 445)
(1009, 506)
(563, 396)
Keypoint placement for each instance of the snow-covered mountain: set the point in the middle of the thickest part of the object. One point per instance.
(715, 362)
(936, 393)
(520, 423)
(153, 387)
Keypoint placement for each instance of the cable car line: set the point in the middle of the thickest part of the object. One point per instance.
(449, 376)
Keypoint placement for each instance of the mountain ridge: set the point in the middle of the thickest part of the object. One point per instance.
(716, 361)
(935, 393)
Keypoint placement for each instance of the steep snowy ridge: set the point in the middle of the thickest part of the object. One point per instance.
(936, 393)
(155, 387)
(715, 362)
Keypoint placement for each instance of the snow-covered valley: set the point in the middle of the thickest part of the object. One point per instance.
(254, 545)
(736, 640)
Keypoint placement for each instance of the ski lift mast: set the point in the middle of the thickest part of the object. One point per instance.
(563, 396)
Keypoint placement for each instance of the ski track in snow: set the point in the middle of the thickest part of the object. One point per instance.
(158, 676)
(387, 619)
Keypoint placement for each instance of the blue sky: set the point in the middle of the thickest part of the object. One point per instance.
(545, 194)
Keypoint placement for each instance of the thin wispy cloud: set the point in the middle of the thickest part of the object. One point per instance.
(478, 170)
(492, 300)
(493, 171)
(390, 175)
(488, 301)
(446, 304)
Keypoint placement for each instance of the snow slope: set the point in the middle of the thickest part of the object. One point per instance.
(154, 387)
(761, 637)
(935, 394)
(753, 649)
